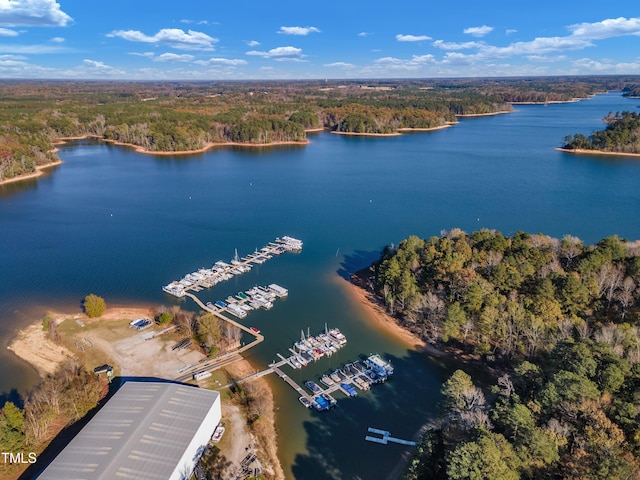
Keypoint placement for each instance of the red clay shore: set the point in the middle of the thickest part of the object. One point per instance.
(39, 172)
(208, 146)
(140, 149)
(579, 151)
(373, 307)
(501, 112)
(396, 133)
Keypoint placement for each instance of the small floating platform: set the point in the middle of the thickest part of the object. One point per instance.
(385, 437)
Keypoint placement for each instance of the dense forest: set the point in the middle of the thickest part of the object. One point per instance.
(632, 91)
(622, 135)
(559, 320)
(183, 116)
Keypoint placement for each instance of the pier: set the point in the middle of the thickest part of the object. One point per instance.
(222, 271)
(343, 380)
(214, 364)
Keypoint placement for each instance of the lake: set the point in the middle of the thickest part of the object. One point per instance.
(120, 224)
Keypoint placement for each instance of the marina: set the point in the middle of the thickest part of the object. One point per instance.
(222, 271)
(347, 380)
(245, 302)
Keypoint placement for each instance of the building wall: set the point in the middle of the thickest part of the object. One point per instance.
(191, 455)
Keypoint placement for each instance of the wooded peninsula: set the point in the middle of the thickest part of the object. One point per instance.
(184, 117)
(557, 319)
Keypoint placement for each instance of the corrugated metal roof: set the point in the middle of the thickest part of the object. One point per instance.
(142, 432)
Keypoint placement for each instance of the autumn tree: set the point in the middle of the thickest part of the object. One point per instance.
(94, 306)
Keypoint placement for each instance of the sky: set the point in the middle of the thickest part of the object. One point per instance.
(274, 39)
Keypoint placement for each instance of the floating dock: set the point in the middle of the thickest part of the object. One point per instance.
(385, 438)
(222, 271)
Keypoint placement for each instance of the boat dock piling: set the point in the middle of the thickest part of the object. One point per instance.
(386, 438)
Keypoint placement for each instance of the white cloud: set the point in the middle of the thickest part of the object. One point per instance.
(32, 49)
(5, 32)
(587, 65)
(231, 62)
(456, 45)
(281, 54)
(611, 27)
(95, 64)
(12, 66)
(198, 22)
(509, 31)
(478, 31)
(32, 13)
(298, 30)
(173, 57)
(12, 57)
(142, 54)
(456, 58)
(92, 69)
(415, 63)
(547, 58)
(174, 37)
(364, 34)
(412, 38)
(339, 64)
(253, 43)
(57, 40)
(538, 46)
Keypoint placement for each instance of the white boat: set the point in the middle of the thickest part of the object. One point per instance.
(236, 310)
(278, 290)
(378, 365)
(338, 336)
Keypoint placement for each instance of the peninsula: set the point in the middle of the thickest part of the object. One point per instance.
(548, 315)
(620, 137)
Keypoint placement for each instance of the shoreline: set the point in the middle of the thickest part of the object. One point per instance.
(208, 146)
(38, 173)
(580, 151)
(33, 345)
(471, 115)
(139, 149)
(549, 102)
(398, 131)
(356, 134)
(375, 311)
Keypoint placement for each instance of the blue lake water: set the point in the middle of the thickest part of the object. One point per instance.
(121, 225)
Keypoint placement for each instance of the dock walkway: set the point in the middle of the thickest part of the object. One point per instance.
(222, 271)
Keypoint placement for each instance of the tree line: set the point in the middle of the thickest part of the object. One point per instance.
(559, 318)
(181, 116)
(59, 399)
(621, 135)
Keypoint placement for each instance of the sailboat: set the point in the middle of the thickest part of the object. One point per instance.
(236, 259)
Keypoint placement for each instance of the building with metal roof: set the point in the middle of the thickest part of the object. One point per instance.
(147, 430)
